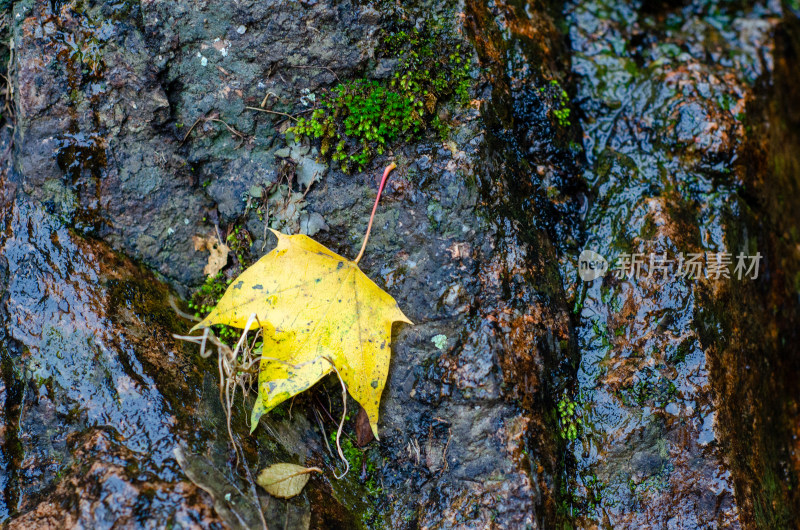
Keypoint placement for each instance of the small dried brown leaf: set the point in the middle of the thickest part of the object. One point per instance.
(218, 253)
(363, 430)
(430, 103)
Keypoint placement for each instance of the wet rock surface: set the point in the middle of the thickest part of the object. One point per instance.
(144, 105)
(671, 383)
(100, 399)
(91, 436)
(132, 130)
(521, 397)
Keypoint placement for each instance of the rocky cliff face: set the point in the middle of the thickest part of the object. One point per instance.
(544, 401)
(133, 135)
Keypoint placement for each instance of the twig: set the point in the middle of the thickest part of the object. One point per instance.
(186, 136)
(327, 411)
(264, 101)
(205, 118)
(252, 483)
(230, 379)
(200, 340)
(272, 112)
(288, 116)
(444, 453)
(330, 405)
(308, 189)
(242, 137)
(297, 114)
(322, 430)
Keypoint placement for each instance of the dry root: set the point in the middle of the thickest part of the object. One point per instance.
(238, 368)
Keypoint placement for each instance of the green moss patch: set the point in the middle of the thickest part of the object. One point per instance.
(358, 119)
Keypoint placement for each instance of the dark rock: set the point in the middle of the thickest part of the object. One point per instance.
(677, 429)
(132, 135)
(104, 396)
(139, 142)
(103, 133)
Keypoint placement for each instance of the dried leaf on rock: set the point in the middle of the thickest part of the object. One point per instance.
(218, 256)
(363, 431)
(285, 480)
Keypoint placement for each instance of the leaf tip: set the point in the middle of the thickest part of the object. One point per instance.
(401, 317)
(199, 325)
(279, 235)
(258, 411)
(374, 427)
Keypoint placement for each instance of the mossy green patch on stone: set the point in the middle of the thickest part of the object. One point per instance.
(559, 100)
(358, 119)
(205, 299)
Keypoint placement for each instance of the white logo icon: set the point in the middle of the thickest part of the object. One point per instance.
(591, 265)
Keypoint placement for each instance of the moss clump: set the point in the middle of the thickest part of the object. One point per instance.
(364, 472)
(207, 297)
(431, 67)
(352, 453)
(145, 298)
(357, 119)
(560, 102)
(239, 242)
(364, 113)
(569, 418)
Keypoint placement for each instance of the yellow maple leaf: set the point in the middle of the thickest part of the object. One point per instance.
(315, 307)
